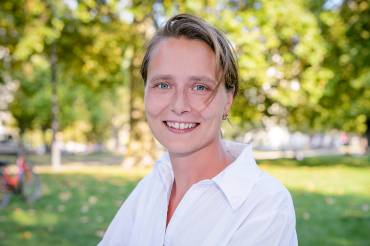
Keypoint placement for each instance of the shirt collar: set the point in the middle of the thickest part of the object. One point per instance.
(164, 168)
(235, 181)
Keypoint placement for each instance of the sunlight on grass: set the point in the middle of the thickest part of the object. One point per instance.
(30, 217)
(95, 170)
(336, 180)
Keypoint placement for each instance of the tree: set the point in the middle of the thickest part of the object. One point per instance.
(345, 101)
(83, 44)
(298, 61)
(141, 149)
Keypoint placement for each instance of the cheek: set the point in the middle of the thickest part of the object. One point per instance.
(211, 114)
(154, 105)
(214, 110)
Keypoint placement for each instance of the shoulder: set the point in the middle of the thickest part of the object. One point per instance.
(268, 215)
(270, 195)
(246, 185)
(268, 185)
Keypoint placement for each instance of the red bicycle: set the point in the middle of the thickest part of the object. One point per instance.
(24, 182)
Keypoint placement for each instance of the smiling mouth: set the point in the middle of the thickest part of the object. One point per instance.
(180, 127)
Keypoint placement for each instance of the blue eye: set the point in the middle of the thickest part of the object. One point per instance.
(200, 88)
(163, 85)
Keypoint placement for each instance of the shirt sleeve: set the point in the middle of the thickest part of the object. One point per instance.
(273, 228)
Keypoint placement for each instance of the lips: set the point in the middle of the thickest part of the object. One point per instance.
(180, 127)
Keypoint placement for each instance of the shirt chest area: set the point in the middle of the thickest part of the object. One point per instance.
(202, 217)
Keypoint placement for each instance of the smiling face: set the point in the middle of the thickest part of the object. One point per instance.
(183, 104)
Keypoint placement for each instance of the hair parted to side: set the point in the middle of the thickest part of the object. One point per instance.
(192, 27)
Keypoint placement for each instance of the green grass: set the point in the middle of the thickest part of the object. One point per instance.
(331, 196)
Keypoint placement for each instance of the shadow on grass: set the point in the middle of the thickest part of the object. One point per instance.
(343, 160)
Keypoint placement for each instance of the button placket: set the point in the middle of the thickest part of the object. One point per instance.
(182, 208)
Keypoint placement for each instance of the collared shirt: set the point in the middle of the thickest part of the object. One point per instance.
(242, 205)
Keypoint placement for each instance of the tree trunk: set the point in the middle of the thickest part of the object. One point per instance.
(55, 150)
(21, 149)
(141, 149)
(367, 134)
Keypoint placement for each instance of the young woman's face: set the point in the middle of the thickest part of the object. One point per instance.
(183, 104)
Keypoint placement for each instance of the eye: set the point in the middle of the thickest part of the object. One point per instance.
(200, 87)
(162, 85)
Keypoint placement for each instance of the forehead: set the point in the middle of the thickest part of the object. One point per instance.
(182, 57)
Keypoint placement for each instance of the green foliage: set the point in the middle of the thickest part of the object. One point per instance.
(347, 94)
(31, 104)
(282, 51)
(90, 41)
(302, 63)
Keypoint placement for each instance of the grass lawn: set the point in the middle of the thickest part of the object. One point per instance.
(331, 196)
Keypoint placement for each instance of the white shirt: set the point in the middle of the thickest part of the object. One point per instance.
(242, 205)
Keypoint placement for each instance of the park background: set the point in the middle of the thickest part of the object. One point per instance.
(71, 93)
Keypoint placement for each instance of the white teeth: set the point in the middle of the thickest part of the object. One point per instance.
(181, 125)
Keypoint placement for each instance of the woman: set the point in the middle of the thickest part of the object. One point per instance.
(204, 191)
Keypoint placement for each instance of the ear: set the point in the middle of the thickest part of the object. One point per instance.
(229, 100)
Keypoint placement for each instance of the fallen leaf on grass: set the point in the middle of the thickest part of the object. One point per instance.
(306, 215)
(93, 200)
(100, 233)
(26, 235)
(329, 200)
(65, 196)
(84, 209)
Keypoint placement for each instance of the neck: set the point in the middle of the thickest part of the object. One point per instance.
(196, 166)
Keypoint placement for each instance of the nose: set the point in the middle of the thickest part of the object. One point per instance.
(180, 103)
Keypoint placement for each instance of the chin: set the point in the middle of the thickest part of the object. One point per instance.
(181, 151)
(186, 148)
(179, 147)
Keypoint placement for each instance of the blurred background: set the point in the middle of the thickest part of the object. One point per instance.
(72, 96)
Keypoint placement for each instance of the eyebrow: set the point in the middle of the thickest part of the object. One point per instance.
(161, 77)
(193, 77)
(203, 78)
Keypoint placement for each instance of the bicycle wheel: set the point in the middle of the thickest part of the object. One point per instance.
(4, 194)
(31, 186)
